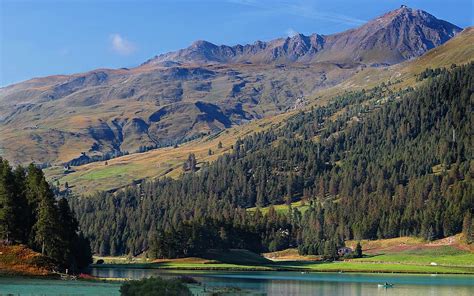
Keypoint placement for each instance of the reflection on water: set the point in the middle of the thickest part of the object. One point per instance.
(295, 283)
(37, 286)
(270, 283)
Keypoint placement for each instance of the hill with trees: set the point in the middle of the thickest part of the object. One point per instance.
(31, 215)
(388, 163)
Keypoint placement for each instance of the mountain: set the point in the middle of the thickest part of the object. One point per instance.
(372, 164)
(199, 90)
(398, 35)
(129, 169)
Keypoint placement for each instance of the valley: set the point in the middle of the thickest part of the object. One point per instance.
(201, 89)
(167, 161)
(400, 255)
(339, 163)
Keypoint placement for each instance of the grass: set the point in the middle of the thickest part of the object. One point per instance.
(345, 266)
(177, 265)
(108, 172)
(300, 205)
(353, 266)
(125, 170)
(456, 51)
(290, 255)
(167, 161)
(20, 260)
(446, 256)
(236, 256)
(374, 246)
(450, 259)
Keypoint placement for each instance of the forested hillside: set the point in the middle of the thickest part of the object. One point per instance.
(373, 164)
(31, 215)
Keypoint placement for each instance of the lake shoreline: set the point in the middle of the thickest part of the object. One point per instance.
(248, 282)
(281, 268)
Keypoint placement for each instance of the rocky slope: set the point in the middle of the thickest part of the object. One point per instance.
(198, 90)
(391, 38)
(168, 162)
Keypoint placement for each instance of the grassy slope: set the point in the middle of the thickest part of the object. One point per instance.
(59, 130)
(167, 161)
(400, 255)
(300, 205)
(20, 260)
(233, 259)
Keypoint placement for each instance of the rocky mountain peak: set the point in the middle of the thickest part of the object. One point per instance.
(393, 37)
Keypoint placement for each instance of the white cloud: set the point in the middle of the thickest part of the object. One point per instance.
(300, 8)
(291, 33)
(121, 45)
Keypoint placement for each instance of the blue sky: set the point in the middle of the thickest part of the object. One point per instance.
(39, 38)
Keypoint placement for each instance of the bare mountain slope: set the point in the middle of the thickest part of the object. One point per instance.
(201, 89)
(125, 170)
(395, 36)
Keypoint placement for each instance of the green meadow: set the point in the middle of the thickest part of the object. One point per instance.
(449, 260)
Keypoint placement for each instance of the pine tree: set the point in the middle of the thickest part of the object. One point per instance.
(46, 227)
(67, 227)
(82, 251)
(7, 202)
(358, 250)
(190, 163)
(24, 216)
(29, 214)
(467, 228)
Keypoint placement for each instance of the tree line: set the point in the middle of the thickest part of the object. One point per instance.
(31, 215)
(394, 163)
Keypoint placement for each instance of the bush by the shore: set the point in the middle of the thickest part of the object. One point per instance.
(154, 287)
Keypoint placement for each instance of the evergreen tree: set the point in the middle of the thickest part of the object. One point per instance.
(467, 228)
(7, 203)
(364, 179)
(358, 251)
(47, 235)
(30, 214)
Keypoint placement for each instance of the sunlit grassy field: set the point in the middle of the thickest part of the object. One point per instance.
(448, 259)
(125, 170)
(445, 255)
(350, 266)
(300, 205)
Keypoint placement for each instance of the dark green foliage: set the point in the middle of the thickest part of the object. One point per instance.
(190, 163)
(358, 251)
(8, 210)
(368, 175)
(84, 158)
(31, 215)
(467, 228)
(154, 287)
(430, 73)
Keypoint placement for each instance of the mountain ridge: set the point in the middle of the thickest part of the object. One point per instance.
(382, 31)
(168, 161)
(111, 111)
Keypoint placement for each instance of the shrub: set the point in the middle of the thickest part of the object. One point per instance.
(187, 280)
(154, 286)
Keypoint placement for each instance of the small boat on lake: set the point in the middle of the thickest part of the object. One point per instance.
(385, 285)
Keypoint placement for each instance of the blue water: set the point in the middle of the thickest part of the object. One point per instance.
(34, 286)
(269, 283)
